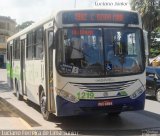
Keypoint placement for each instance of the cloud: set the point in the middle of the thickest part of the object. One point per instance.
(26, 3)
(34, 10)
(25, 10)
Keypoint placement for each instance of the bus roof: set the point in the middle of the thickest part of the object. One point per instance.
(34, 25)
(53, 15)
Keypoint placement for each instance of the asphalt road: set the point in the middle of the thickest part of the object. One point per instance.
(128, 123)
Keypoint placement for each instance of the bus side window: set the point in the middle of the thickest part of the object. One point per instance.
(38, 44)
(29, 45)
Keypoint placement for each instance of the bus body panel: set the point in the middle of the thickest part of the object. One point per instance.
(35, 76)
(16, 75)
(118, 98)
(83, 107)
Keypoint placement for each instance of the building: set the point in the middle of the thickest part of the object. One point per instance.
(7, 28)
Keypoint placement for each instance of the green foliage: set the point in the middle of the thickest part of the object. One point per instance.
(154, 52)
(150, 13)
(157, 30)
(149, 10)
(24, 25)
(155, 45)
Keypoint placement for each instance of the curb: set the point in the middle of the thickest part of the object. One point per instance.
(20, 114)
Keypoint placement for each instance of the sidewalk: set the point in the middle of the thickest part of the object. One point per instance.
(5, 95)
(3, 81)
(28, 112)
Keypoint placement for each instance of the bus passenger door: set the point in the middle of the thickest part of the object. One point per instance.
(22, 63)
(10, 65)
(49, 69)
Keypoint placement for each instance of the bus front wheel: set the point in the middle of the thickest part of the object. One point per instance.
(43, 105)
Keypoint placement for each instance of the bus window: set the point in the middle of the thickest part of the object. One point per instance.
(123, 54)
(50, 38)
(82, 49)
(16, 48)
(29, 45)
(38, 44)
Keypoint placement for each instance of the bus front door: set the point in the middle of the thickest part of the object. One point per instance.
(49, 70)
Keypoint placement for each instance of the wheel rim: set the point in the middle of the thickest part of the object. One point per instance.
(43, 105)
(158, 96)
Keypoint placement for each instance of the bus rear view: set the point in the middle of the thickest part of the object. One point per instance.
(100, 62)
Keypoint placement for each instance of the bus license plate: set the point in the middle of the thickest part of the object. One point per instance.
(105, 103)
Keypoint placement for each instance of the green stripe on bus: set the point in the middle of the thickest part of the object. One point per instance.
(13, 72)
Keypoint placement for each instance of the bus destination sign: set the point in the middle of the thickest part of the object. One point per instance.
(99, 16)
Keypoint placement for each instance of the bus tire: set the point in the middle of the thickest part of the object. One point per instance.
(43, 106)
(19, 97)
(158, 95)
(114, 114)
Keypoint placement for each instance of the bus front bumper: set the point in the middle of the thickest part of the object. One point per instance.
(84, 107)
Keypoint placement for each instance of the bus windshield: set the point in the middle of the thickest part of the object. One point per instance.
(100, 52)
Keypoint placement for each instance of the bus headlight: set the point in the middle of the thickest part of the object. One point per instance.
(67, 96)
(137, 93)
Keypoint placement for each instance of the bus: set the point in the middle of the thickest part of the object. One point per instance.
(80, 62)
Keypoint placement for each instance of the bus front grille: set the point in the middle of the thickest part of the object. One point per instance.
(104, 87)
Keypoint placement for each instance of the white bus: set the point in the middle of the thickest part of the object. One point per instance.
(80, 62)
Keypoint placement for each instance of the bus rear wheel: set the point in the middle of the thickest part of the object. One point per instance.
(43, 105)
(19, 97)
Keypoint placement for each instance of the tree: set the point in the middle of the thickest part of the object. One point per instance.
(24, 25)
(149, 10)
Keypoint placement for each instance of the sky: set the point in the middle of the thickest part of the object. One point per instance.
(34, 10)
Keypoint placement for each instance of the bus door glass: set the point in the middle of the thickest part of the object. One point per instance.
(11, 65)
(23, 66)
(49, 69)
(50, 46)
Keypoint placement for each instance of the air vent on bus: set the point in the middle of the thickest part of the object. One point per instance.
(104, 87)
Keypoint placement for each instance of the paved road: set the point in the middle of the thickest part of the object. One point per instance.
(128, 123)
(8, 111)
(9, 119)
(10, 116)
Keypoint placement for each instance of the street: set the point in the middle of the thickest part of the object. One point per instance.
(26, 115)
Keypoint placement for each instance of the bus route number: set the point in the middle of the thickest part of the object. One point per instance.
(85, 95)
